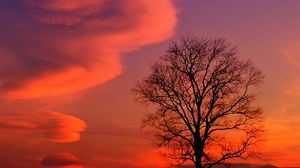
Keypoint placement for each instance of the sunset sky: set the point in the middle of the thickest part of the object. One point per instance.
(67, 68)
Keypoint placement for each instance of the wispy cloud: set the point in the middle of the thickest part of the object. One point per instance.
(61, 159)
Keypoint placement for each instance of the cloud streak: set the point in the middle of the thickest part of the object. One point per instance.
(61, 159)
(57, 127)
(72, 46)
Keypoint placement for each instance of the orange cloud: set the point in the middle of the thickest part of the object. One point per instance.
(56, 126)
(77, 45)
(64, 12)
(61, 159)
(63, 5)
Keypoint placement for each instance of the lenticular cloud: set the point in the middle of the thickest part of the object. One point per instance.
(54, 47)
(57, 127)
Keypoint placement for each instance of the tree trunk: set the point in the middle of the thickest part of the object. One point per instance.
(198, 162)
(198, 151)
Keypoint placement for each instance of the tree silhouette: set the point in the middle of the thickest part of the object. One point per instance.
(205, 111)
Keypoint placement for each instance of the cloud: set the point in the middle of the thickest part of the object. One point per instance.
(64, 12)
(61, 159)
(53, 47)
(57, 127)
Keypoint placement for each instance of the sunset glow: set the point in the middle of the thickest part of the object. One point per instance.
(67, 69)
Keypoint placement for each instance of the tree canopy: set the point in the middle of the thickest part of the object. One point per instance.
(205, 103)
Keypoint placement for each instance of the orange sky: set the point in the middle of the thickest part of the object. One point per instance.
(67, 67)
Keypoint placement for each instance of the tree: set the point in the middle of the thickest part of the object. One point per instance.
(205, 104)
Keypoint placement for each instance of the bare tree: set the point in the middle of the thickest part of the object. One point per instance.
(206, 110)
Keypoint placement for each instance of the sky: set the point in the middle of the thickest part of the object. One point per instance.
(67, 68)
